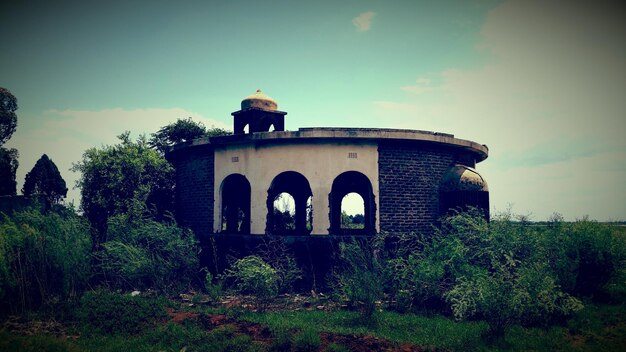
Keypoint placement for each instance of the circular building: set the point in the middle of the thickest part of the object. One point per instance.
(406, 179)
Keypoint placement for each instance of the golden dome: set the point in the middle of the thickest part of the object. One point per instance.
(260, 101)
(463, 178)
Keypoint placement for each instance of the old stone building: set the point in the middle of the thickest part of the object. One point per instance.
(227, 186)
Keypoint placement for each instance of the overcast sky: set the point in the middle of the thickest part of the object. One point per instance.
(542, 83)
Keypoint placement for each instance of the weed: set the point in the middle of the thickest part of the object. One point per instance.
(307, 340)
(106, 312)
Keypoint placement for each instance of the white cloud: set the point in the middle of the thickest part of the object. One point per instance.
(363, 22)
(422, 85)
(66, 134)
(549, 103)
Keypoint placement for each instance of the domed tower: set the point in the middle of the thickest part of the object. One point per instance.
(462, 186)
(258, 112)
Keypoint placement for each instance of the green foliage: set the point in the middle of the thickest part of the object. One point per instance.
(43, 259)
(106, 312)
(307, 340)
(8, 118)
(360, 277)
(588, 259)
(401, 328)
(142, 253)
(45, 180)
(183, 130)
(8, 168)
(506, 272)
(37, 343)
(352, 221)
(115, 179)
(282, 338)
(333, 347)
(253, 275)
(213, 289)
(275, 252)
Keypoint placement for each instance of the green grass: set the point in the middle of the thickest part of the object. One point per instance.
(420, 330)
(595, 328)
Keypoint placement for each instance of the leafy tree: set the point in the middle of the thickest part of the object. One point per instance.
(117, 178)
(45, 180)
(8, 118)
(183, 130)
(8, 157)
(8, 167)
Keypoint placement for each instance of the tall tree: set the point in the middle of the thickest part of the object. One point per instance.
(8, 157)
(183, 130)
(8, 167)
(45, 180)
(116, 178)
(8, 118)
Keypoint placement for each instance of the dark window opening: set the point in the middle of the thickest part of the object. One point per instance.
(289, 205)
(350, 186)
(235, 204)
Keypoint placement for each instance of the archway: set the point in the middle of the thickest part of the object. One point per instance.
(235, 204)
(352, 212)
(347, 183)
(297, 187)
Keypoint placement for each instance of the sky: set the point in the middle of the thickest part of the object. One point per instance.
(542, 83)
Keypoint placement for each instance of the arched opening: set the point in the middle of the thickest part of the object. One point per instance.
(346, 184)
(235, 204)
(284, 213)
(289, 205)
(352, 212)
(271, 128)
(246, 129)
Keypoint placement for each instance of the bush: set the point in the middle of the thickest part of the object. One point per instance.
(106, 312)
(143, 253)
(360, 277)
(275, 252)
(493, 271)
(307, 340)
(586, 257)
(213, 290)
(252, 275)
(44, 258)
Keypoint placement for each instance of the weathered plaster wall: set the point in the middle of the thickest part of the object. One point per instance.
(320, 161)
(410, 173)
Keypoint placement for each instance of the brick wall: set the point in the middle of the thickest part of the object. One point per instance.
(409, 175)
(194, 195)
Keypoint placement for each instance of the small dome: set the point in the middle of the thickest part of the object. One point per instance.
(463, 178)
(260, 101)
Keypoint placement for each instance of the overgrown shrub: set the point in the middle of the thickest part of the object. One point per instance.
(359, 277)
(106, 312)
(252, 275)
(494, 271)
(587, 258)
(275, 252)
(142, 253)
(307, 340)
(44, 258)
(213, 289)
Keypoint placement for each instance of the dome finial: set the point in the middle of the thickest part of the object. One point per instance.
(259, 100)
